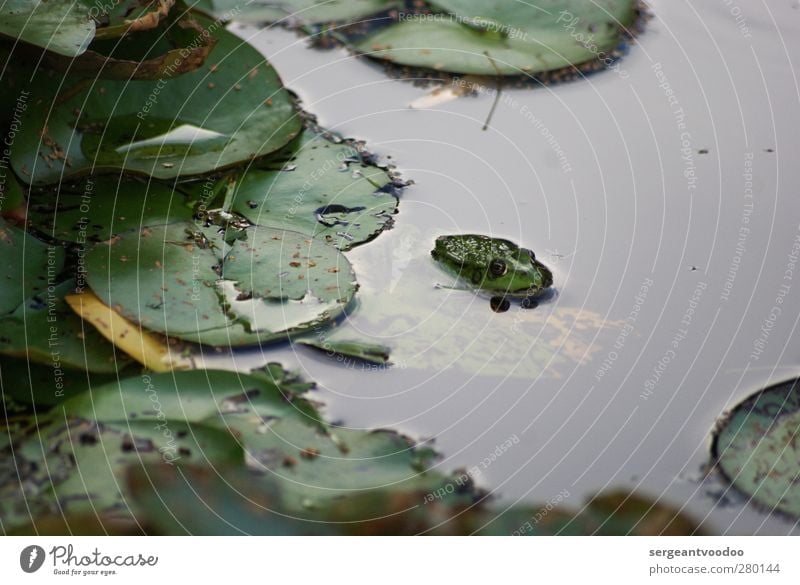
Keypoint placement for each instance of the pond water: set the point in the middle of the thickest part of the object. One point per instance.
(664, 196)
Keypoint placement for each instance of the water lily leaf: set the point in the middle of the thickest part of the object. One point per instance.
(126, 16)
(757, 448)
(43, 387)
(175, 281)
(505, 37)
(45, 330)
(327, 190)
(159, 128)
(99, 208)
(196, 396)
(307, 11)
(61, 26)
(152, 351)
(371, 353)
(171, 503)
(12, 199)
(73, 466)
(175, 47)
(26, 263)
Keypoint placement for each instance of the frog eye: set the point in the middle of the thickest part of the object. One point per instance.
(498, 267)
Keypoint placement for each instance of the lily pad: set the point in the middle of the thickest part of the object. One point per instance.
(505, 37)
(26, 264)
(306, 11)
(46, 331)
(41, 387)
(99, 208)
(72, 466)
(230, 112)
(176, 281)
(341, 349)
(124, 16)
(757, 449)
(327, 190)
(61, 26)
(174, 47)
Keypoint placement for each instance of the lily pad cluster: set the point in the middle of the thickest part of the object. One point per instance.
(214, 452)
(465, 37)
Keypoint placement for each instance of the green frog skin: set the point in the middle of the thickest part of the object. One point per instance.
(494, 266)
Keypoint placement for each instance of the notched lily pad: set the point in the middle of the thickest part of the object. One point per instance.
(326, 189)
(757, 448)
(341, 349)
(177, 281)
(145, 127)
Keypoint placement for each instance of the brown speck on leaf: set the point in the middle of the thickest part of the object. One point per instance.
(211, 85)
(268, 102)
(311, 264)
(289, 461)
(213, 68)
(294, 264)
(333, 270)
(309, 453)
(237, 87)
(158, 264)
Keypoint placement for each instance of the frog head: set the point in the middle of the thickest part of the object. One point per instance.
(493, 265)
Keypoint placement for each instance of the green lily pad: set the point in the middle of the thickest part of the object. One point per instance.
(45, 330)
(504, 37)
(29, 383)
(124, 16)
(174, 280)
(99, 208)
(26, 264)
(306, 11)
(230, 112)
(341, 349)
(175, 47)
(327, 190)
(73, 465)
(757, 449)
(62, 26)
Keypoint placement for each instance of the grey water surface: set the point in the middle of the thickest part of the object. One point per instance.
(665, 195)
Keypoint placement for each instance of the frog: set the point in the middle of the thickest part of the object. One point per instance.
(495, 267)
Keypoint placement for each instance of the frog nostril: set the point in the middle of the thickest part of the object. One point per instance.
(498, 267)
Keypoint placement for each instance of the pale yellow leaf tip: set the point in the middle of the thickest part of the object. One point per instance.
(146, 348)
